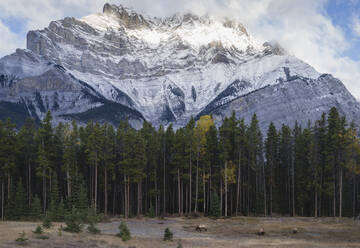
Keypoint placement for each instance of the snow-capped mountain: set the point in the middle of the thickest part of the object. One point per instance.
(119, 63)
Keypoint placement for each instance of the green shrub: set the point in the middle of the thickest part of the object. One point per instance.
(92, 216)
(179, 245)
(38, 230)
(47, 221)
(92, 229)
(124, 232)
(22, 237)
(73, 221)
(215, 209)
(151, 211)
(60, 231)
(168, 235)
(35, 211)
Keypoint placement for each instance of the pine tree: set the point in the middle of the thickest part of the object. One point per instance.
(36, 210)
(271, 149)
(20, 206)
(45, 154)
(8, 153)
(285, 162)
(254, 149)
(190, 148)
(332, 151)
(54, 197)
(215, 205)
(124, 232)
(107, 158)
(27, 148)
(71, 151)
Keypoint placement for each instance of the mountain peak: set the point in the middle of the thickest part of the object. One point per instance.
(129, 17)
(162, 70)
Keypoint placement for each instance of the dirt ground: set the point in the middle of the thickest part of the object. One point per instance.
(231, 232)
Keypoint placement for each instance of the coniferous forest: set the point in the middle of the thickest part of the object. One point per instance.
(229, 170)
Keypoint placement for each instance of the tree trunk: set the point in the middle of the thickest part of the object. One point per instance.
(29, 186)
(248, 191)
(271, 189)
(68, 181)
(9, 184)
(341, 189)
(209, 189)
(264, 185)
(316, 207)
(293, 187)
(44, 192)
(125, 197)
(105, 193)
(225, 176)
(128, 195)
(164, 186)
(156, 196)
(2, 201)
(354, 194)
(96, 182)
(238, 190)
(190, 183)
(197, 183)
(139, 199)
(334, 198)
(221, 197)
(114, 199)
(187, 198)
(179, 192)
(204, 192)
(289, 189)
(182, 198)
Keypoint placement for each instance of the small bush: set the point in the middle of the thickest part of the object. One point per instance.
(22, 237)
(215, 210)
(151, 211)
(73, 222)
(60, 231)
(92, 229)
(168, 235)
(47, 222)
(38, 230)
(124, 232)
(92, 216)
(179, 245)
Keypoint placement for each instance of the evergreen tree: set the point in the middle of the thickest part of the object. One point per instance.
(215, 205)
(36, 210)
(54, 197)
(271, 149)
(20, 205)
(45, 154)
(27, 148)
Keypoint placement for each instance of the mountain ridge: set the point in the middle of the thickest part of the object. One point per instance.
(162, 70)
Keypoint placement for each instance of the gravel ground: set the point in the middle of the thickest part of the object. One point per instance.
(232, 232)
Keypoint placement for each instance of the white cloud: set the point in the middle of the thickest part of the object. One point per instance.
(301, 26)
(8, 40)
(356, 25)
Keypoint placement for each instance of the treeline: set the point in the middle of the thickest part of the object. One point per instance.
(230, 170)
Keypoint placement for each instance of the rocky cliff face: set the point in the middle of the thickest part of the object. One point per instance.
(118, 63)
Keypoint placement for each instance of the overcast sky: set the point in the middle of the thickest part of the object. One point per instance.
(324, 33)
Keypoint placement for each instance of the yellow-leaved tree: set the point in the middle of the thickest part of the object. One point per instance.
(202, 126)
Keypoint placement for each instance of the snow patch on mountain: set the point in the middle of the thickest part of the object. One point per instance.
(160, 69)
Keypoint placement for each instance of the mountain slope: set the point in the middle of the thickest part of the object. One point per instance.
(120, 64)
